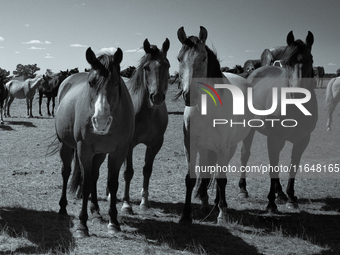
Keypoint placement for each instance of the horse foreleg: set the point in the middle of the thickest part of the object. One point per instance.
(29, 102)
(190, 181)
(94, 208)
(128, 174)
(114, 163)
(40, 102)
(53, 105)
(1, 112)
(150, 155)
(8, 103)
(207, 158)
(298, 149)
(48, 105)
(245, 154)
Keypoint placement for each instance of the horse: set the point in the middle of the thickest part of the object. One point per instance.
(268, 56)
(251, 64)
(54, 83)
(319, 73)
(236, 70)
(332, 99)
(25, 89)
(215, 145)
(3, 96)
(147, 88)
(95, 117)
(296, 73)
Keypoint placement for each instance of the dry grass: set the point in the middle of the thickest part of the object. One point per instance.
(30, 189)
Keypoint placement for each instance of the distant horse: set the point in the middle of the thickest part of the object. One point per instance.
(251, 64)
(72, 71)
(128, 72)
(25, 89)
(332, 99)
(297, 72)
(54, 83)
(3, 96)
(236, 70)
(215, 145)
(319, 73)
(268, 56)
(95, 117)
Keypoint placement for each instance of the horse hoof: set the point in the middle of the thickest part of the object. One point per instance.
(80, 233)
(144, 207)
(281, 198)
(126, 208)
(272, 210)
(243, 195)
(292, 205)
(113, 228)
(221, 221)
(185, 221)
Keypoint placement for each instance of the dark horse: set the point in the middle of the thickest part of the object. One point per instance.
(147, 88)
(95, 117)
(3, 96)
(214, 145)
(296, 74)
(251, 64)
(54, 83)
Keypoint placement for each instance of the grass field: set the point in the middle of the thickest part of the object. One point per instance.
(30, 189)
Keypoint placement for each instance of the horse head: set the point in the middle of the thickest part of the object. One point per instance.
(298, 61)
(193, 62)
(104, 86)
(155, 66)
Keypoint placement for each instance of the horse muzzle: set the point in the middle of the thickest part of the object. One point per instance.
(157, 100)
(101, 126)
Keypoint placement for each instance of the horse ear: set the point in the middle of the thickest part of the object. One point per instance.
(91, 57)
(310, 39)
(166, 46)
(118, 56)
(181, 35)
(146, 46)
(290, 38)
(203, 34)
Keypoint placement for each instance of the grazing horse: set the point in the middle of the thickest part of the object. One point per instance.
(332, 99)
(268, 56)
(251, 64)
(95, 117)
(54, 83)
(296, 74)
(25, 89)
(319, 73)
(215, 145)
(3, 96)
(147, 88)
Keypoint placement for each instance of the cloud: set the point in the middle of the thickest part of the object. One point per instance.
(135, 50)
(111, 49)
(250, 51)
(17, 52)
(36, 48)
(332, 64)
(138, 33)
(1, 39)
(230, 56)
(36, 42)
(77, 45)
(27, 25)
(48, 56)
(1, 47)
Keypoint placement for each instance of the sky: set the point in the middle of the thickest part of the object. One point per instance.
(55, 34)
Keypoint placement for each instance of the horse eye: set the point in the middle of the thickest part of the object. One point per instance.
(179, 60)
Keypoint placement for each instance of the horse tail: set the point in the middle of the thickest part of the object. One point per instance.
(53, 147)
(77, 179)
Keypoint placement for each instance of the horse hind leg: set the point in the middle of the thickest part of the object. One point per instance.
(8, 103)
(150, 155)
(66, 155)
(245, 154)
(298, 149)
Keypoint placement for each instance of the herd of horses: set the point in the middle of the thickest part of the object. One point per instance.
(100, 113)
